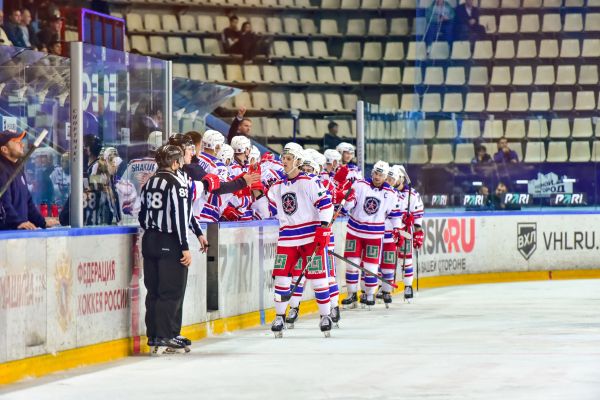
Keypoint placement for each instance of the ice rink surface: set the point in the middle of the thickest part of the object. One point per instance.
(531, 340)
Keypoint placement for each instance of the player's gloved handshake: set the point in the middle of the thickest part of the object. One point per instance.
(418, 239)
(322, 237)
(211, 182)
(341, 175)
(398, 238)
(408, 220)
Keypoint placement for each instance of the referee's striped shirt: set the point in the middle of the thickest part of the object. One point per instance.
(166, 206)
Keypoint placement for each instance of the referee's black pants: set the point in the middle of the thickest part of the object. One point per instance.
(164, 277)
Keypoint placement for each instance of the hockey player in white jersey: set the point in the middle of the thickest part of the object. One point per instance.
(333, 159)
(312, 164)
(304, 210)
(348, 151)
(241, 148)
(412, 217)
(207, 208)
(372, 202)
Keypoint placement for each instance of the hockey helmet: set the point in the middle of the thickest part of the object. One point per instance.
(181, 140)
(332, 155)
(155, 140)
(212, 140)
(381, 167)
(254, 156)
(345, 147)
(165, 155)
(308, 159)
(226, 154)
(403, 173)
(240, 144)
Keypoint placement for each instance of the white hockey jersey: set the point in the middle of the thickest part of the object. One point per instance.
(389, 228)
(354, 173)
(300, 204)
(416, 205)
(370, 208)
(207, 207)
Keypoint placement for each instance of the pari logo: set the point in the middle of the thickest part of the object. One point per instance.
(520, 199)
(474, 200)
(439, 200)
(527, 238)
(449, 235)
(568, 199)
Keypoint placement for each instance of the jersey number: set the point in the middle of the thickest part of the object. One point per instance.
(154, 200)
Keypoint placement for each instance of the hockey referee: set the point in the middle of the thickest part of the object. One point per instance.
(165, 215)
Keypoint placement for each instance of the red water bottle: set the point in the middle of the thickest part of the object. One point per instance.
(44, 210)
(54, 210)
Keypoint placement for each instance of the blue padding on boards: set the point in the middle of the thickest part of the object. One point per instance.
(60, 232)
(444, 214)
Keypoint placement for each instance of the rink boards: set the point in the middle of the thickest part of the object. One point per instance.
(75, 297)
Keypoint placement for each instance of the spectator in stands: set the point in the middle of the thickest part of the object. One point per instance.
(481, 155)
(252, 44)
(231, 36)
(497, 199)
(505, 154)
(331, 138)
(240, 126)
(21, 212)
(466, 22)
(51, 32)
(440, 20)
(4, 40)
(29, 33)
(13, 29)
(55, 48)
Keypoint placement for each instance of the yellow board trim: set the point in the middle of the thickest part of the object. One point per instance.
(37, 366)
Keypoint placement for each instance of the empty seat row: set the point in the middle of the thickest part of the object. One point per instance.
(288, 25)
(519, 75)
(557, 128)
(549, 23)
(303, 101)
(536, 3)
(535, 152)
(175, 45)
(505, 49)
(496, 102)
(307, 127)
(263, 74)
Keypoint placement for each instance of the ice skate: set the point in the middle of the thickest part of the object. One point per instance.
(325, 325)
(369, 301)
(335, 315)
(183, 341)
(167, 346)
(408, 293)
(278, 325)
(363, 300)
(350, 301)
(379, 296)
(387, 298)
(292, 317)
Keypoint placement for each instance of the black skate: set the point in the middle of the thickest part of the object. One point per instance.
(325, 325)
(278, 325)
(368, 303)
(335, 316)
(387, 298)
(185, 340)
(292, 316)
(350, 301)
(152, 341)
(182, 340)
(408, 293)
(379, 296)
(167, 346)
(363, 300)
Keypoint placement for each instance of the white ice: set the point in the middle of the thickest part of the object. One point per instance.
(531, 340)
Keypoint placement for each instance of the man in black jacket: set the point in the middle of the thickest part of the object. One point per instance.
(21, 212)
(466, 22)
(240, 126)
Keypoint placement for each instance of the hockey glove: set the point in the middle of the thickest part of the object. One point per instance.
(257, 187)
(212, 182)
(341, 175)
(322, 237)
(418, 239)
(398, 238)
(408, 219)
(268, 156)
(231, 214)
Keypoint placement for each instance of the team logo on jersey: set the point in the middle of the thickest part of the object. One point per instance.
(526, 239)
(371, 205)
(289, 203)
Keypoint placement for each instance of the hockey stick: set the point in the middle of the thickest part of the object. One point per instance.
(18, 169)
(287, 297)
(407, 243)
(417, 262)
(364, 271)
